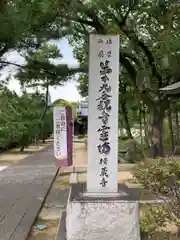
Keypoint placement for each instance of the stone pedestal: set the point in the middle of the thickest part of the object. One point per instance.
(97, 218)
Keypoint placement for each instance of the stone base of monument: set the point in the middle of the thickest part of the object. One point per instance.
(101, 217)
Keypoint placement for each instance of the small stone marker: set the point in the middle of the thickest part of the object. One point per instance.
(73, 177)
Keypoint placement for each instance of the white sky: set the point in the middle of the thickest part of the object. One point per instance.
(68, 91)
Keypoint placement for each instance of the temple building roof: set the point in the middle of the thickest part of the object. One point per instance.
(171, 89)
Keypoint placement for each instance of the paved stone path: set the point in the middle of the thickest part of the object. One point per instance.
(23, 188)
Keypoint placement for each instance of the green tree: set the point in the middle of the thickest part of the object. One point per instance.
(20, 118)
(40, 71)
(149, 42)
(64, 103)
(26, 24)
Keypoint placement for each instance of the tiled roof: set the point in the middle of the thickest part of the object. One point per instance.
(171, 89)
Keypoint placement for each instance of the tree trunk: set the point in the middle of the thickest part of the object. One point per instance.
(177, 126)
(121, 126)
(126, 120)
(123, 105)
(46, 102)
(44, 111)
(171, 128)
(144, 115)
(22, 148)
(155, 133)
(140, 123)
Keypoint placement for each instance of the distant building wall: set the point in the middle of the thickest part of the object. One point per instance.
(83, 108)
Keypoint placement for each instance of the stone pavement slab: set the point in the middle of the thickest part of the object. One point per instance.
(23, 188)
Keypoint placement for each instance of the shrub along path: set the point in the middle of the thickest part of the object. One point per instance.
(23, 188)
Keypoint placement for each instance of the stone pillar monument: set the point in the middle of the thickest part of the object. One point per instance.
(100, 211)
(103, 115)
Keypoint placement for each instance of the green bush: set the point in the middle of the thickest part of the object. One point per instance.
(162, 178)
(152, 217)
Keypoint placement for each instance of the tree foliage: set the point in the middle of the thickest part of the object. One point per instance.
(149, 43)
(20, 118)
(25, 24)
(64, 103)
(41, 68)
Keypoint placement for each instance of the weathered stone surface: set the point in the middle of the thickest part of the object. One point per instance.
(105, 219)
